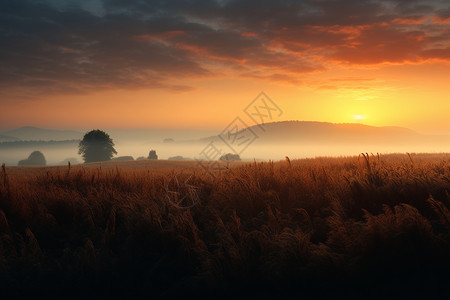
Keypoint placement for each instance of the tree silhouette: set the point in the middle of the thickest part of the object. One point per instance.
(35, 158)
(152, 155)
(96, 145)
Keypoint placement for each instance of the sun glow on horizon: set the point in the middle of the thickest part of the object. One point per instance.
(359, 117)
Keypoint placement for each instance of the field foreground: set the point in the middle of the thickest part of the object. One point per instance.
(355, 227)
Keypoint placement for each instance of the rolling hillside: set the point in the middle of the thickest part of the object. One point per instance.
(322, 133)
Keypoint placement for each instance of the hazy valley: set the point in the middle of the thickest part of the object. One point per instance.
(273, 141)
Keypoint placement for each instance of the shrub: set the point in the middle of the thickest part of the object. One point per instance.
(123, 158)
(152, 155)
(178, 157)
(35, 158)
(230, 156)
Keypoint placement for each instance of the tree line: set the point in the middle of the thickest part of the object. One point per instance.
(97, 146)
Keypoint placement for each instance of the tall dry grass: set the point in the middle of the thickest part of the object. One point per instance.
(370, 226)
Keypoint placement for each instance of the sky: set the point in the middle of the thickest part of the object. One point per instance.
(198, 64)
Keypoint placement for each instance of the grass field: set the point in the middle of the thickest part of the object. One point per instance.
(367, 226)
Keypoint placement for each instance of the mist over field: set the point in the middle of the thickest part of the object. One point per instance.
(273, 141)
(134, 142)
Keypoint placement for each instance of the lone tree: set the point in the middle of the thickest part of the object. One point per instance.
(96, 145)
(36, 158)
(152, 155)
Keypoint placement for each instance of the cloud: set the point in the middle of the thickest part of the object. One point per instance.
(348, 84)
(49, 51)
(382, 44)
(410, 20)
(67, 47)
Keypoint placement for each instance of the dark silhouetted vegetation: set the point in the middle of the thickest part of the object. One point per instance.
(123, 158)
(36, 158)
(152, 155)
(96, 145)
(177, 157)
(230, 156)
(362, 228)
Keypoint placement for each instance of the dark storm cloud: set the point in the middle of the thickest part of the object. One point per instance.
(56, 51)
(68, 46)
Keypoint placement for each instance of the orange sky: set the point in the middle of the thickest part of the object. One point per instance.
(378, 64)
(397, 95)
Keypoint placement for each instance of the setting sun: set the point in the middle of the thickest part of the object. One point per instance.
(358, 117)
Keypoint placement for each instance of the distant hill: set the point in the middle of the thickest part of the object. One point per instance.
(6, 138)
(323, 133)
(30, 133)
